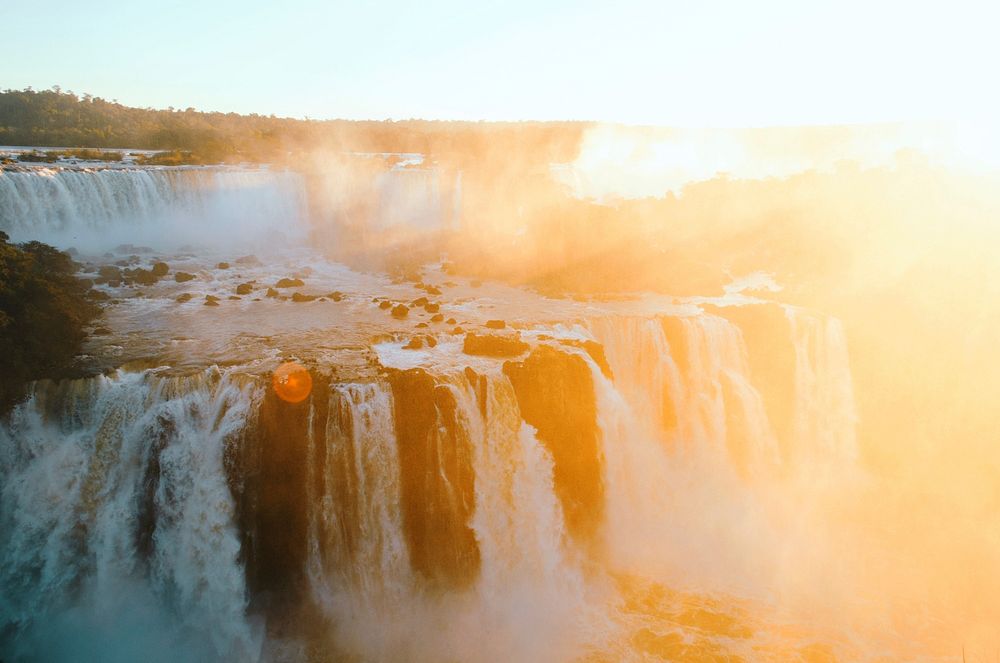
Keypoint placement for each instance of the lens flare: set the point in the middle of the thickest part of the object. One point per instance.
(292, 382)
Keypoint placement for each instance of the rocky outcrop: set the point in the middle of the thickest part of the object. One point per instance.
(437, 481)
(494, 345)
(555, 393)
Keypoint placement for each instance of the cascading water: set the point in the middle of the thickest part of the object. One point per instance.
(163, 207)
(117, 519)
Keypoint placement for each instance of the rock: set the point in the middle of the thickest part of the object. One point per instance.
(244, 288)
(437, 318)
(271, 292)
(336, 295)
(400, 311)
(211, 298)
(415, 344)
(494, 345)
(184, 297)
(431, 290)
(421, 325)
(160, 269)
(183, 277)
(98, 296)
(222, 265)
(450, 321)
(299, 297)
(102, 331)
(289, 283)
(432, 307)
(496, 324)
(431, 341)
(596, 352)
(144, 276)
(555, 392)
(385, 304)
(420, 301)
(457, 330)
(235, 297)
(108, 273)
(211, 302)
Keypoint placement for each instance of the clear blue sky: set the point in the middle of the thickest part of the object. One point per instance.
(697, 63)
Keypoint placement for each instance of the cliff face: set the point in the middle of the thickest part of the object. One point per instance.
(437, 482)
(555, 392)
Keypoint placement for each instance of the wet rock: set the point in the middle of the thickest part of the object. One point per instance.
(431, 341)
(385, 304)
(143, 276)
(494, 345)
(98, 296)
(211, 302)
(235, 297)
(271, 292)
(596, 352)
(184, 297)
(421, 325)
(437, 318)
(102, 331)
(415, 344)
(289, 283)
(183, 277)
(496, 324)
(299, 297)
(160, 269)
(432, 307)
(400, 311)
(336, 295)
(431, 290)
(457, 330)
(108, 273)
(436, 480)
(244, 288)
(419, 301)
(222, 265)
(211, 298)
(450, 321)
(555, 393)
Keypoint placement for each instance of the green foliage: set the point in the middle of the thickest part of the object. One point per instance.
(43, 310)
(51, 118)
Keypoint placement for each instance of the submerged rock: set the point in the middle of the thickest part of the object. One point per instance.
(184, 297)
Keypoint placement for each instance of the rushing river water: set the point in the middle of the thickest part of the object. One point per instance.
(648, 478)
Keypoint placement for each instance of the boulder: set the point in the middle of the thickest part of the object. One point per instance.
(415, 344)
(496, 324)
(494, 345)
(183, 277)
(400, 311)
(289, 283)
(385, 304)
(419, 301)
(437, 318)
(336, 295)
(299, 297)
(244, 289)
(184, 297)
(160, 269)
(222, 265)
(271, 292)
(432, 307)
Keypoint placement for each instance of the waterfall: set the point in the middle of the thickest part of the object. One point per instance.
(162, 207)
(825, 415)
(118, 522)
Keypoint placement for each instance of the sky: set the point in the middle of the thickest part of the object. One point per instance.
(710, 63)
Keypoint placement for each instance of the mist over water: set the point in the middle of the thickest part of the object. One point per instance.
(641, 477)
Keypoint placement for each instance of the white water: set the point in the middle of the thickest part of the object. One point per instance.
(166, 208)
(77, 478)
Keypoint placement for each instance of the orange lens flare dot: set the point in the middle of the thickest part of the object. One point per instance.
(292, 382)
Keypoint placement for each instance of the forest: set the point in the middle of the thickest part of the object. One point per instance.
(55, 118)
